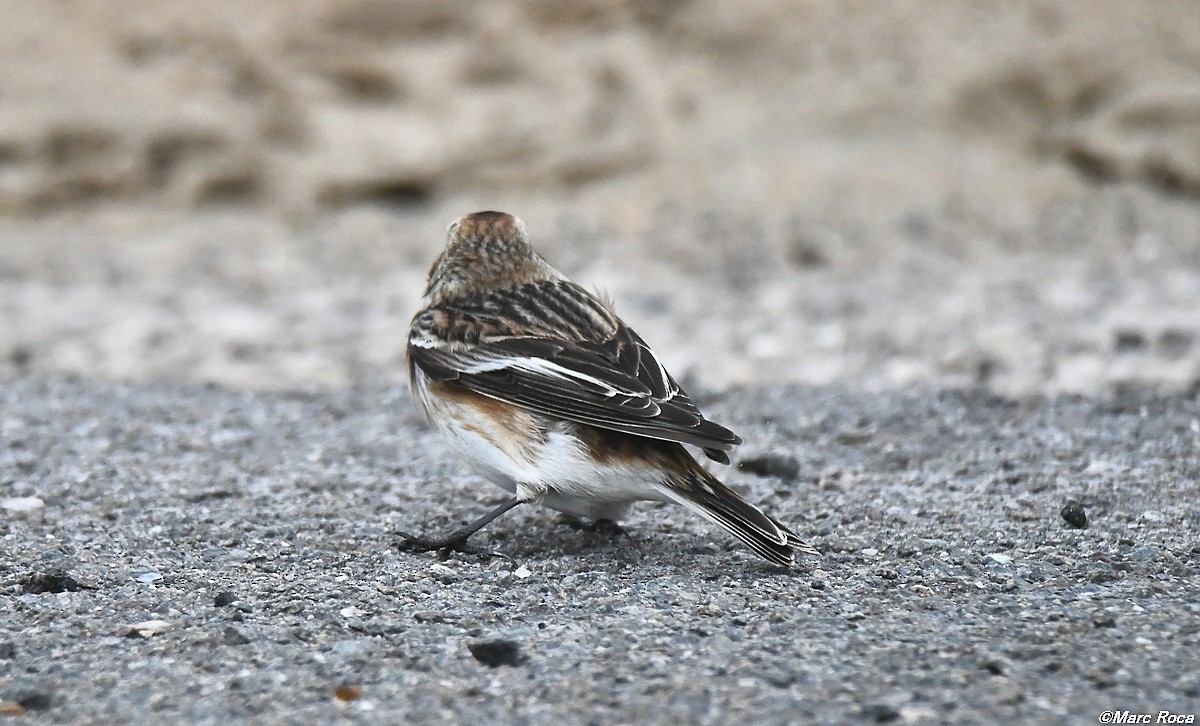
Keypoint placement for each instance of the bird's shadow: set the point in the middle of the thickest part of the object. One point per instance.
(533, 537)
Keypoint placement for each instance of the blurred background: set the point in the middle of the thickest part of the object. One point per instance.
(249, 194)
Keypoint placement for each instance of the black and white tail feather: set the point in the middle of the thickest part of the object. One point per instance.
(704, 494)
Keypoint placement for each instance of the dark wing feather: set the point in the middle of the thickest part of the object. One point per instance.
(605, 377)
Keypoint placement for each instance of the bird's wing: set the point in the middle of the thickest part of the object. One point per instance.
(605, 377)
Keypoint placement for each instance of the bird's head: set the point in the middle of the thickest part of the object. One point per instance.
(485, 250)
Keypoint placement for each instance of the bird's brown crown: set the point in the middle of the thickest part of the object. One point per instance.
(485, 250)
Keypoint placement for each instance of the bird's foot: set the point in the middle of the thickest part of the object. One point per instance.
(444, 547)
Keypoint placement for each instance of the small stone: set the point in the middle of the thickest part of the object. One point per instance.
(522, 572)
(351, 648)
(1175, 343)
(148, 628)
(147, 578)
(35, 701)
(19, 505)
(1128, 341)
(870, 552)
(880, 713)
(780, 678)
(443, 573)
(224, 598)
(1100, 573)
(1075, 515)
(495, 653)
(352, 612)
(431, 616)
(8, 650)
(30, 508)
(804, 252)
(999, 558)
(776, 465)
(233, 636)
(52, 581)
(1144, 554)
(1191, 685)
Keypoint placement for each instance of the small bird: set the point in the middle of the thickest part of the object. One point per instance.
(554, 398)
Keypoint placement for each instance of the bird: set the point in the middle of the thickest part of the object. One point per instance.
(551, 396)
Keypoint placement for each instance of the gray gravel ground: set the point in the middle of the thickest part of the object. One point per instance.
(258, 529)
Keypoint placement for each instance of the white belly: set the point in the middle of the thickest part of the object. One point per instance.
(553, 469)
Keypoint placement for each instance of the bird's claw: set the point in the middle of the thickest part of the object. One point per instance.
(444, 547)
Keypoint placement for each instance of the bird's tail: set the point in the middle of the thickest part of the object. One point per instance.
(704, 494)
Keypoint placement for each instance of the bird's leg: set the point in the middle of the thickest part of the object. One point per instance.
(457, 540)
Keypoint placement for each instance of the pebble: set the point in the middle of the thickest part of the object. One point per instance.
(36, 701)
(149, 628)
(1075, 515)
(774, 465)
(51, 581)
(880, 713)
(443, 573)
(30, 508)
(233, 636)
(496, 653)
(432, 616)
(351, 648)
(999, 558)
(1144, 554)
